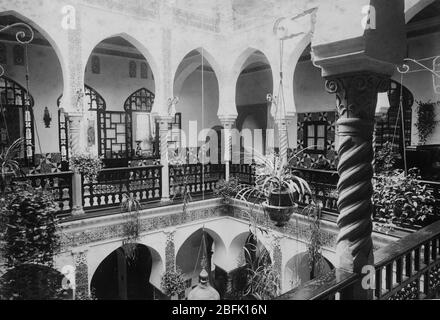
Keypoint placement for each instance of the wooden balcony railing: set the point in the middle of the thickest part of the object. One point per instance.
(323, 184)
(244, 172)
(60, 184)
(144, 183)
(408, 269)
(193, 174)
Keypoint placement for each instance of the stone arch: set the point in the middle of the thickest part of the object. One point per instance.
(290, 65)
(208, 57)
(235, 250)
(220, 251)
(413, 7)
(240, 61)
(138, 45)
(97, 255)
(155, 269)
(47, 36)
(34, 282)
(187, 86)
(297, 270)
(183, 75)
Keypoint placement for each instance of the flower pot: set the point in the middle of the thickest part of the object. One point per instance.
(279, 214)
(279, 198)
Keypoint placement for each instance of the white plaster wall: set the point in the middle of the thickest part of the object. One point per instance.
(252, 88)
(309, 90)
(114, 83)
(190, 101)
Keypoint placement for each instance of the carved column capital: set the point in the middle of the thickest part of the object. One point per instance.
(228, 121)
(356, 99)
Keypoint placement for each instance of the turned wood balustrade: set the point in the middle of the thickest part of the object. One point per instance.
(408, 269)
(143, 183)
(193, 174)
(59, 184)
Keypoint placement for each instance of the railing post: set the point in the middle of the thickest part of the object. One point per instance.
(164, 122)
(356, 96)
(228, 123)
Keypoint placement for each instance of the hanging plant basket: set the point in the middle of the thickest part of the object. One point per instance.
(279, 215)
(280, 207)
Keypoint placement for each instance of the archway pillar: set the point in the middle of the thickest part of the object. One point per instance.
(357, 61)
(81, 291)
(228, 122)
(164, 136)
(170, 251)
(76, 147)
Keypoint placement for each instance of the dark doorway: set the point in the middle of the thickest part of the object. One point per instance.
(118, 278)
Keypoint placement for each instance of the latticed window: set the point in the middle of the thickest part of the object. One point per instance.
(315, 136)
(141, 100)
(141, 130)
(93, 99)
(16, 117)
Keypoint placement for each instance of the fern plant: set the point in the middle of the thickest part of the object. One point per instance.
(9, 165)
(132, 226)
(263, 281)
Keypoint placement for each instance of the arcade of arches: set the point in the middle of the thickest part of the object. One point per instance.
(139, 91)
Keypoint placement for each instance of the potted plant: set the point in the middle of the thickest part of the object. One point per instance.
(426, 119)
(173, 283)
(87, 165)
(263, 281)
(227, 189)
(9, 165)
(279, 185)
(402, 200)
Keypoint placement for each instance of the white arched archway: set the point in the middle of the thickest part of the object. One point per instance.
(207, 57)
(48, 36)
(105, 251)
(219, 247)
(297, 270)
(413, 7)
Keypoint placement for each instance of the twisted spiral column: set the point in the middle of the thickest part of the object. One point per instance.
(356, 97)
(284, 144)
